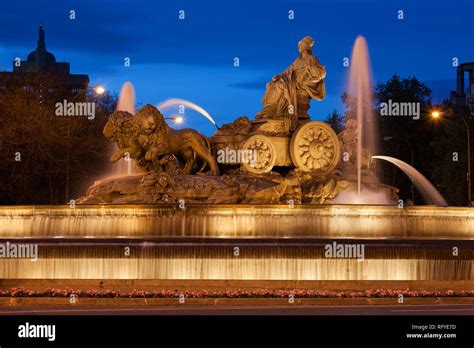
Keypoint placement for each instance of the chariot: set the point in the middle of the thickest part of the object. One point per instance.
(312, 147)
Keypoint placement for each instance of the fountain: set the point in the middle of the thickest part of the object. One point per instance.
(126, 102)
(427, 190)
(360, 88)
(185, 103)
(185, 215)
(360, 94)
(275, 242)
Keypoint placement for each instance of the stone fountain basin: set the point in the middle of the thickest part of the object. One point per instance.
(275, 242)
(238, 221)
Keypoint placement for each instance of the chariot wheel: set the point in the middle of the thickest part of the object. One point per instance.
(315, 147)
(261, 154)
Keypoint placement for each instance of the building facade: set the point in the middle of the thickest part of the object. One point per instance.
(40, 64)
(464, 95)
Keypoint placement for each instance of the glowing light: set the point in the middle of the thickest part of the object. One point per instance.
(185, 103)
(178, 119)
(435, 114)
(232, 221)
(99, 90)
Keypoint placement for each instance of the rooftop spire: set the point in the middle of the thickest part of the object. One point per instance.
(41, 42)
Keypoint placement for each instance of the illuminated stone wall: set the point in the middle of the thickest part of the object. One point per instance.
(274, 242)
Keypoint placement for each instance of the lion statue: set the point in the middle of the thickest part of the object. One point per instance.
(158, 140)
(123, 129)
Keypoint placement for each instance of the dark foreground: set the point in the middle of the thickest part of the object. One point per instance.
(454, 309)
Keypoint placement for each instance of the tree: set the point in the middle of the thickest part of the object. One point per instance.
(336, 121)
(449, 165)
(431, 144)
(44, 154)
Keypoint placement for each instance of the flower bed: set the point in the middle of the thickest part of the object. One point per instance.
(237, 293)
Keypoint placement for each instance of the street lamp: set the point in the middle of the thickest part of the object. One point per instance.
(176, 119)
(99, 90)
(437, 114)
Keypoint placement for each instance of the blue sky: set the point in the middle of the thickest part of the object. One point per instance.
(193, 58)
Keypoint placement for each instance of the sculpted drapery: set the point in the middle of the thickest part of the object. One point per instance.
(288, 95)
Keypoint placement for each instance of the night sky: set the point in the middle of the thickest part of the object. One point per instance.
(194, 58)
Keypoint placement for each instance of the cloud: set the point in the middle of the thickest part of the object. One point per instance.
(257, 84)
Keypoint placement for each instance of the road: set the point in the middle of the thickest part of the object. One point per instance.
(460, 309)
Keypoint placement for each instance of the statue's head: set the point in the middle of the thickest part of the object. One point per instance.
(305, 44)
(150, 119)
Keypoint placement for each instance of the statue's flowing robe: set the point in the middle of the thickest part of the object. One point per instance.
(290, 92)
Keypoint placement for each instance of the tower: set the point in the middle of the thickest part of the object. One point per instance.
(40, 62)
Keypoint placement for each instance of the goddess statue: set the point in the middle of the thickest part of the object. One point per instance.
(288, 95)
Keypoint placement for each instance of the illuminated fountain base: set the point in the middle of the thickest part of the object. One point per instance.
(239, 242)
